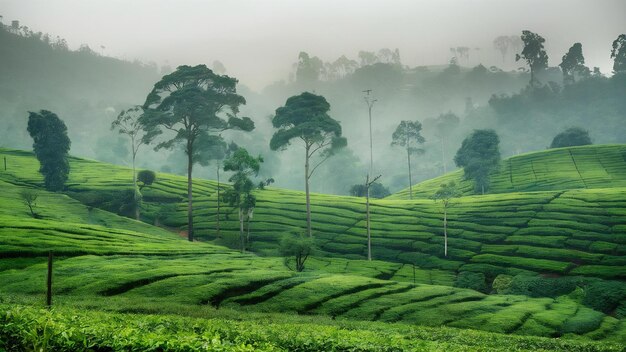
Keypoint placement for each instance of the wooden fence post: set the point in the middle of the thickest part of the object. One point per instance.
(49, 282)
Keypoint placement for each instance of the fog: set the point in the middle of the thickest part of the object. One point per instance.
(258, 41)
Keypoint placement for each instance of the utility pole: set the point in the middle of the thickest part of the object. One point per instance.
(370, 103)
(368, 183)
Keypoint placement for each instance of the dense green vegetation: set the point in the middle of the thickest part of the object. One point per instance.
(108, 262)
(586, 167)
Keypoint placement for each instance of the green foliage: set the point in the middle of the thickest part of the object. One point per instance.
(479, 155)
(240, 195)
(377, 190)
(146, 177)
(502, 283)
(192, 101)
(471, 280)
(571, 137)
(605, 296)
(618, 53)
(573, 64)
(407, 135)
(534, 54)
(296, 247)
(537, 286)
(51, 145)
(29, 197)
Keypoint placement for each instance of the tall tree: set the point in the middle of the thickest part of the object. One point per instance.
(192, 103)
(618, 53)
(479, 155)
(305, 117)
(534, 54)
(573, 64)
(51, 145)
(127, 122)
(445, 194)
(221, 152)
(501, 44)
(408, 135)
(446, 123)
(240, 195)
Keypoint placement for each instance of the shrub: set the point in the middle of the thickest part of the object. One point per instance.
(605, 296)
(296, 247)
(537, 286)
(502, 283)
(571, 137)
(471, 280)
(146, 177)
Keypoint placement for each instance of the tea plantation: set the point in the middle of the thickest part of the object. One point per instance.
(560, 253)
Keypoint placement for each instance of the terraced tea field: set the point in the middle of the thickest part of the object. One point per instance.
(591, 166)
(105, 261)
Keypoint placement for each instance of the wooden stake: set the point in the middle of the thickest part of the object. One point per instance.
(49, 283)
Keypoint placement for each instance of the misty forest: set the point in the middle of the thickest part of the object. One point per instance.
(460, 189)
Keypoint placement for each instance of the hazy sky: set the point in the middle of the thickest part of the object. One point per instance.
(259, 40)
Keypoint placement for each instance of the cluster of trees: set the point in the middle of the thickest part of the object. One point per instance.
(311, 68)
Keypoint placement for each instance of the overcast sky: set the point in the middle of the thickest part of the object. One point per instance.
(259, 40)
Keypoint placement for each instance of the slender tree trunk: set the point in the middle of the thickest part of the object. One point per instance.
(136, 192)
(306, 187)
(367, 215)
(248, 229)
(443, 155)
(218, 202)
(241, 236)
(408, 157)
(189, 193)
(445, 231)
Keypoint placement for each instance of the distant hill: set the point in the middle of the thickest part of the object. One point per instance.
(586, 167)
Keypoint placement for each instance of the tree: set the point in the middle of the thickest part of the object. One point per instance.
(305, 117)
(29, 198)
(377, 190)
(573, 64)
(309, 69)
(127, 122)
(240, 195)
(192, 103)
(571, 137)
(407, 135)
(146, 177)
(221, 151)
(445, 194)
(298, 247)
(51, 145)
(446, 123)
(619, 53)
(534, 54)
(502, 43)
(479, 155)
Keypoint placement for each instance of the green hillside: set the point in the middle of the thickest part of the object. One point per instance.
(571, 232)
(592, 166)
(108, 262)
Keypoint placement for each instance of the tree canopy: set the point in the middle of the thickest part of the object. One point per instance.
(305, 117)
(618, 53)
(573, 64)
(51, 145)
(408, 136)
(571, 137)
(192, 103)
(534, 54)
(479, 155)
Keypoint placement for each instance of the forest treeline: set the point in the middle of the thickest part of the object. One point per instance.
(88, 90)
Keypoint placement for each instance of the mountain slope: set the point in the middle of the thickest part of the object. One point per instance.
(593, 166)
(573, 232)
